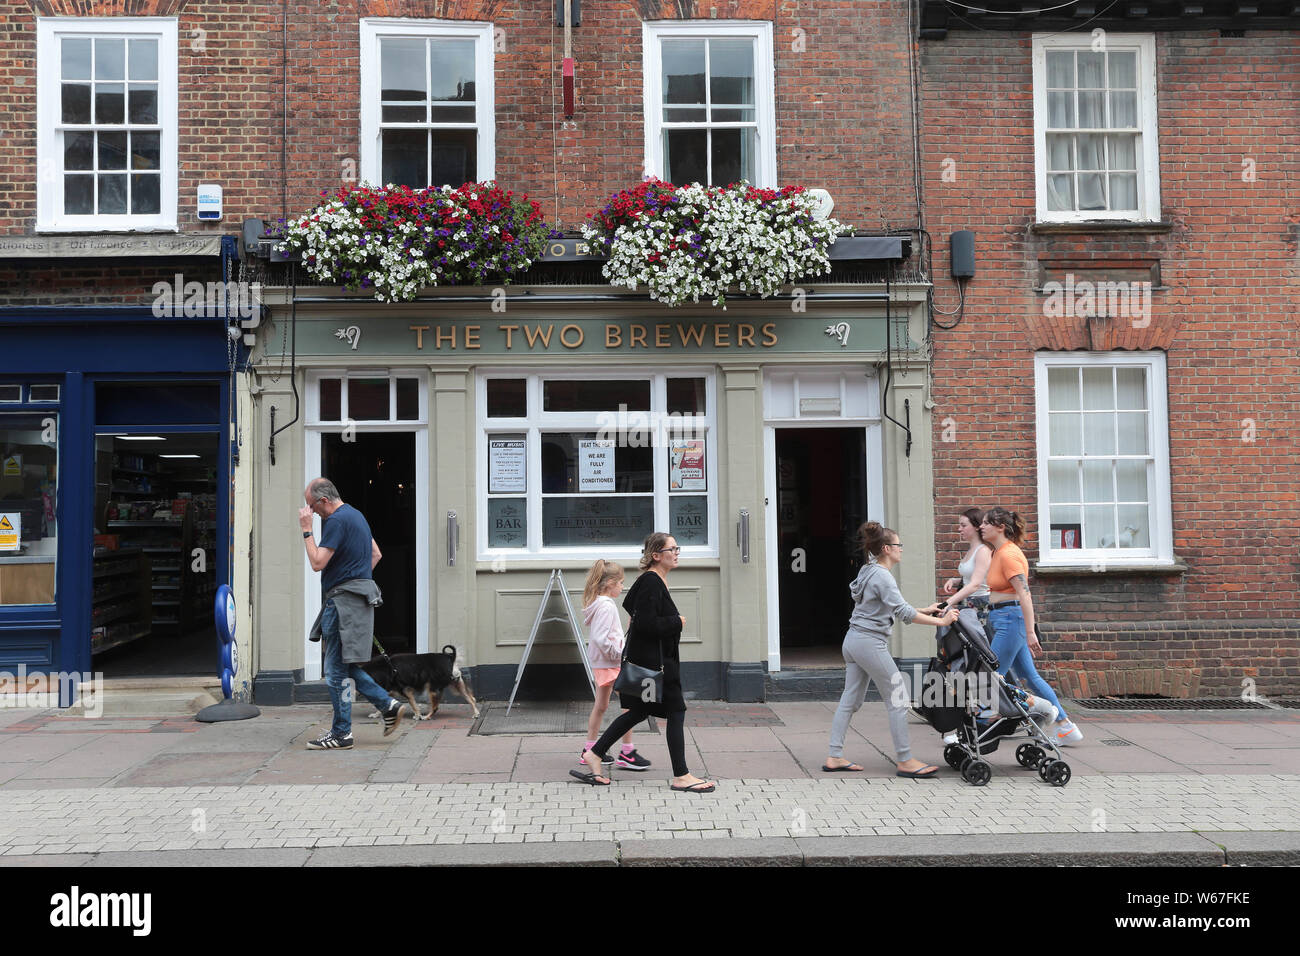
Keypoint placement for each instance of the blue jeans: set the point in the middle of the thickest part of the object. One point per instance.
(336, 672)
(1012, 650)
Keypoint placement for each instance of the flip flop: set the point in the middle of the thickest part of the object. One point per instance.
(918, 774)
(589, 777)
(847, 768)
(694, 788)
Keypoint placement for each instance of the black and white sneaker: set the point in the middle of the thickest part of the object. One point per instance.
(392, 716)
(328, 741)
(631, 761)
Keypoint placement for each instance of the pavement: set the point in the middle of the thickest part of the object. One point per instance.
(1195, 788)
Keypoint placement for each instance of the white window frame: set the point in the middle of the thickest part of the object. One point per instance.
(375, 28)
(538, 421)
(760, 31)
(1161, 551)
(49, 137)
(1148, 153)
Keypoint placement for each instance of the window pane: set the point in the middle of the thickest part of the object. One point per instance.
(331, 407)
(686, 396)
(1060, 192)
(1123, 110)
(455, 157)
(405, 157)
(1099, 526)
(146, 150)
(110, 58)
(1063, 389)
(1060, 110)
(451, 69)
(679, 114)
(688, 519)
(1122, 151)
(146, 194)
(76, 103)
(1091, 149)
(112, 150)
(1131, 480)
(110, 103)
(408, 399)
(143, 104)
(1092, 70)
(1060, 152)
(733, 116)
(1098, 390)
(1067, 514)
(112, 195)
(75, 55)
(401, 69)
(1097, 481)
(30, 487)
(43, 393)
(733, 156)
(1132, 433)
(405, 114)
(1065, 436)
(1123, 71)
(1092, 192)
(1123, 191)
(731, 72)
(507, 465)
(567, 467)
(1092, 111)
(144, 59)
(1063, 481)
(596, 521)
(507, 522)
(79, 195)
(559, 395)
(452, 114)
(368, 399)
(507, 398)
(683, 71)
(1099, 433)
(78, 150)
(685, 152)
(1134, 522)
(1060, 69)
(1131, 385)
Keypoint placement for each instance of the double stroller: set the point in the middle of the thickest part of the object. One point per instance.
(963, 694)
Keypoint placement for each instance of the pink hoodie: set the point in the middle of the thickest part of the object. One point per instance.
(605, 630)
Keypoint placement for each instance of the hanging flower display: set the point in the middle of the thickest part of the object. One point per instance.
(397, 240)
(688, 242)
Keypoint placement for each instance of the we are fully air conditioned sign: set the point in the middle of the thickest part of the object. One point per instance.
(501, 335)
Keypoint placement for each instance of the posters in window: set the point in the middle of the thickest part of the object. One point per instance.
(595, 465)
(686, 464)
(506, 468)
(10, 531)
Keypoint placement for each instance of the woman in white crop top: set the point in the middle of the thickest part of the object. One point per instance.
(974, 568)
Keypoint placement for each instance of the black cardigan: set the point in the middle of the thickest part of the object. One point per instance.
(652, 638)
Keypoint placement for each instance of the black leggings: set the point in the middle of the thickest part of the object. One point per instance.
(675, 732)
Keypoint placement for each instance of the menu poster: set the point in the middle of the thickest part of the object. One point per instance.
(506, 469)
(686, 465)
(595, 465)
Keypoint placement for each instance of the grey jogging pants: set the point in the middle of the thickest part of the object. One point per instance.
(868, 658)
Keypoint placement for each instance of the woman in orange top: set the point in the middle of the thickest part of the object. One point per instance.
(1011, 612)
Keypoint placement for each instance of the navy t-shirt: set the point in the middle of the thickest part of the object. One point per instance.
(348, 535)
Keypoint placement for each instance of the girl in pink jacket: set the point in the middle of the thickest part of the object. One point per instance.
(605, 653)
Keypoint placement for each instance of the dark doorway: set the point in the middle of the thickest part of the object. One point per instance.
(375, 473)
(821, 492)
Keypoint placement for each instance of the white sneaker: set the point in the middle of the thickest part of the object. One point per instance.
(1067, 733)
(949, 739)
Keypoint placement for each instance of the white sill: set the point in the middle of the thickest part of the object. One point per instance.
(103, 229)
(1105, 566)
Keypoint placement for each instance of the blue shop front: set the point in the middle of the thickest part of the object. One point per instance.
(115, 465)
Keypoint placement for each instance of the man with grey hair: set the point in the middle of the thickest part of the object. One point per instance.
(346, 557)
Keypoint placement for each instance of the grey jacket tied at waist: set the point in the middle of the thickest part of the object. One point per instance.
(355, 602)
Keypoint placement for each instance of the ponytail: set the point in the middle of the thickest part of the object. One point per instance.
(1012, 525)
(872, 537)
(598, 578)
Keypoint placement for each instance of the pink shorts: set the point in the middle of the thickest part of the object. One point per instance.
(604, 675)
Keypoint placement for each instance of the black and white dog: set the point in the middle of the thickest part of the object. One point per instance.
(405, 675)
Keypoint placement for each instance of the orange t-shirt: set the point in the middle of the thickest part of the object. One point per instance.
(1008, 561)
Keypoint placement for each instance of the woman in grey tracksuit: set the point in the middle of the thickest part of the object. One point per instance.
(876, 604)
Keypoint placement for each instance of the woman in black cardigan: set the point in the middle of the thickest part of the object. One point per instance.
(652, 640)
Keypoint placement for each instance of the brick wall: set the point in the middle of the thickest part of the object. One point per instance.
(1227, 319)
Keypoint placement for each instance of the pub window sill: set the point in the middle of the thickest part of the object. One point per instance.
(1085, 227)
(1103, 567)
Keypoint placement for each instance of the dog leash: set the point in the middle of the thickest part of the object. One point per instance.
(382, 653)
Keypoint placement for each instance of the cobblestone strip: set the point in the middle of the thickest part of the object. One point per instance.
(156, 818)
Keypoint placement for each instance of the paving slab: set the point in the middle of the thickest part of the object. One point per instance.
(731, 852)
(37, 747)
(725, 739)
(280, 857)
(586, 853)
(771, 765)
(171, 769)
(1037, 849)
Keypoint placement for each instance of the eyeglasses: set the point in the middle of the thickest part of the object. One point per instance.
(673, 550)
(895, 544)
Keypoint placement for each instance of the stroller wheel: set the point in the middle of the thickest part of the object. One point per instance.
(1029, 756)
(1059, 773)
(976, 772)
(1045, 767)
(954, 756)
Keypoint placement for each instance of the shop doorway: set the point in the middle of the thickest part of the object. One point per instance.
(375, 472)
(821, 500)
(155, 567)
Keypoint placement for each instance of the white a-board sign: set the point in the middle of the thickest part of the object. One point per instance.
(555, 582)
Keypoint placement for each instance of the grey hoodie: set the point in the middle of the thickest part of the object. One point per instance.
(877, 601)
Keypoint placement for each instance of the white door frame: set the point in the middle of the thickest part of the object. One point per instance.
(311, 585)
